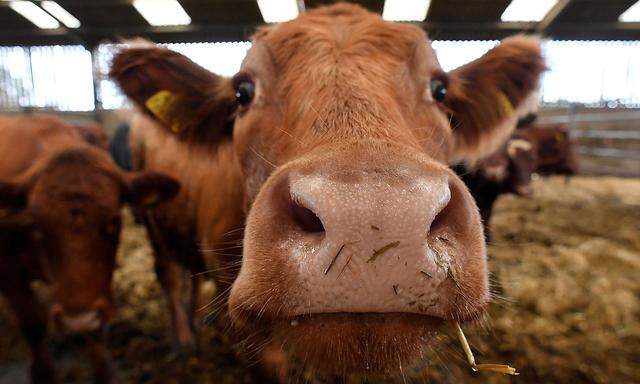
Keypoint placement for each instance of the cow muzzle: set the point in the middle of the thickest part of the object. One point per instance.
(398, 248)
(79, 322)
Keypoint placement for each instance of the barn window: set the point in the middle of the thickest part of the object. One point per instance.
(16, 84)
(54, 77)
(62, 77)
(592, 72)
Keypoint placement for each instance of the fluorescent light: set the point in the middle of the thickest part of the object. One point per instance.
(405, 10)
(277, 11)
(60, 13)
(162, 12)
(34, 14)
(528, 10)
(632, 14)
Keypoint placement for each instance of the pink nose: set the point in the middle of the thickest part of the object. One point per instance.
(374, 254)
(381, 243)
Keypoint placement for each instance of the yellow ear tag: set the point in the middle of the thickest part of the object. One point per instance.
(167, 107)
(150, 199)
(505, 103)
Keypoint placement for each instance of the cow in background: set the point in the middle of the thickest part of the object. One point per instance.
(531, 149)
(328, 151)
(60, 207)
(508, 170)
(555, 150)
(119, 147)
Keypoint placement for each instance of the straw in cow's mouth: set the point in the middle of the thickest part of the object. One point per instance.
(498, 368)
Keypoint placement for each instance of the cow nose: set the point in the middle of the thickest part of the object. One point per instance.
(79, 321)
(371, 242)
(341, 210)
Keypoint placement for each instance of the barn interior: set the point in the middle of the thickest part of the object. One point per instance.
(564, 261)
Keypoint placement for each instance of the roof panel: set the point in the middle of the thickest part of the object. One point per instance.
(102, 14)
(594, 11)
(466, 10)
(372, 5)
(223, 12)
(9, 19)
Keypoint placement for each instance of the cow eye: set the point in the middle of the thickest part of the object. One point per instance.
(245, 90)
(438, 89)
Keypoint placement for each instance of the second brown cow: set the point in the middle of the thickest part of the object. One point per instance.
(531, 150)
(60, 206)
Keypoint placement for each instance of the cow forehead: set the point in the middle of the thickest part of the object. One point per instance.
(327, 34)
(78, 184)
(341, 66)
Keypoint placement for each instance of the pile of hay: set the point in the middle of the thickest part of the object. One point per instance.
(566, 264)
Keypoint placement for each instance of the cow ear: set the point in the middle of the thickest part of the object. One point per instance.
(487, 96)
(185, 98)
(147, 188)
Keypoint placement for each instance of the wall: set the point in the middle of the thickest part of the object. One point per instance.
(608, 139)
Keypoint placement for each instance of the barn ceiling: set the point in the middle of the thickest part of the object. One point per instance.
(232, 20)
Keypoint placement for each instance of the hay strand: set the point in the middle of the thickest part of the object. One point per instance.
(497, 368)
(378, 252)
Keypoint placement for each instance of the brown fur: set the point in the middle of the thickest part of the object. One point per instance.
(60, 200)
(94, 134)
(511, 69)
(549, 152)
(501, 172)
(189, 241)
(336, 90)
(555, 150)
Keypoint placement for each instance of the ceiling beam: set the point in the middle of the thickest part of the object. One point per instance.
(91, 36)
(551, 16)
(142, 29)
(478, 26)
(94, 36)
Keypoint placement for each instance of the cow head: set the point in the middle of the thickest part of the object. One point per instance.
(555, 150)
(523, 160)
(73, 202)
(359, 239)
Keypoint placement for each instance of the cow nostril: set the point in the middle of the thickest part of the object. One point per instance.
(443, 216)
(306, 218)
(439, 221)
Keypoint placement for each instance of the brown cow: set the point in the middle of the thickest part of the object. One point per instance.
(331, 145)
(555, 150)
(60, 203)
(508, 170)
(530, 150)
